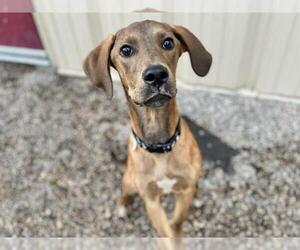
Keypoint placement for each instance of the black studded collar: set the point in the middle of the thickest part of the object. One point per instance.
(159, 147)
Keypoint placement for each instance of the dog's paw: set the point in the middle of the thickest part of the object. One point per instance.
(121, 211)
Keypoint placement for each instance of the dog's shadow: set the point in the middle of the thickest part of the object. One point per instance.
(213, 149)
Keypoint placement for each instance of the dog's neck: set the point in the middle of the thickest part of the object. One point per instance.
(154, 125)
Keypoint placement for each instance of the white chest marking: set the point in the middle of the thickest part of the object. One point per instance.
(166, 184)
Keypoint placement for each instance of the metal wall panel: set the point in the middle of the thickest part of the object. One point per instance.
(254, 51)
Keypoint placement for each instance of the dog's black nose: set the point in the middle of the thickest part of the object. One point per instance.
(155, 75)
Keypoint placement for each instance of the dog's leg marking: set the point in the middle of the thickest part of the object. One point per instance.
(181, 185)
(128, 187)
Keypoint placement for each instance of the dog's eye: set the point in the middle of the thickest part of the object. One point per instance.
(126, 51)
(168, 43)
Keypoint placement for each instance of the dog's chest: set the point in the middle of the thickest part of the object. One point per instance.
(166, 184)
(163, 181)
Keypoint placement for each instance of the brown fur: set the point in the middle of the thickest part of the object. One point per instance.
(149, 174)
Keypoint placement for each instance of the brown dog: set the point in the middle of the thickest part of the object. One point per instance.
(163, 156)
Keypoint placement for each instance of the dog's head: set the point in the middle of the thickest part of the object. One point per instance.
(145, 54)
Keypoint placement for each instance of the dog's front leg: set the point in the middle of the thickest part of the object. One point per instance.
(182, 205)
(158, 216)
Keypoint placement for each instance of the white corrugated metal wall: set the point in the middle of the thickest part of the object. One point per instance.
(254, 51)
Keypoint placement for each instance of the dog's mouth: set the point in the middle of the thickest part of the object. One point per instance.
(157, 100)
(160, 96)
(156, 97)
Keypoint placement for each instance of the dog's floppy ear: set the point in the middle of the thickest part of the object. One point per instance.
(97, 66)
(201, 59)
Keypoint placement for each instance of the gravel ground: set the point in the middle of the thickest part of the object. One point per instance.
(63, 148)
